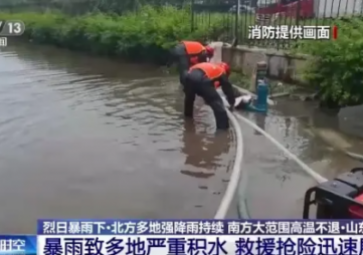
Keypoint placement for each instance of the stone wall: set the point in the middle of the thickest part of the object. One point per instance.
(281, 65)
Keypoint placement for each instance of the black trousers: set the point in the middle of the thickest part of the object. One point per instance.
(195, 85)
(179, 55)
(183, 68)
(236, 92)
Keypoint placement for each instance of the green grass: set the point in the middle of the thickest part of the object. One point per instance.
(229, 26)
(147, 35)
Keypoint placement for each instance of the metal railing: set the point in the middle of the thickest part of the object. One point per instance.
(236, 17)
(239, 16)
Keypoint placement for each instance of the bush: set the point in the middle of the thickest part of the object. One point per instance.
(336, 68)
(146, 35)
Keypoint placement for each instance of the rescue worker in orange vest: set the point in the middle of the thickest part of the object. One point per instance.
(203, 79)
(189, 53)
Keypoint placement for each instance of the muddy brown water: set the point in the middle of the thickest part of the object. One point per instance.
(88, 137)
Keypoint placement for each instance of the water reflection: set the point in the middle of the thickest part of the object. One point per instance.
(87, 137)
(203, 152)
(260, 121)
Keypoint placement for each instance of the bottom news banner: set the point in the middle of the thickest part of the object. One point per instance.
(189, 237)
(198, 245)
(18, 244)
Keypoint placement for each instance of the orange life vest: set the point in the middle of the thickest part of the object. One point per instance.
(193, 48)
(212, 71)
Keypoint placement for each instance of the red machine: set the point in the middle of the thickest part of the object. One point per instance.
(286, 8)
(341, 198)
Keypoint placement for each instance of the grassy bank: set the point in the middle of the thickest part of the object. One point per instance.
(335, 68)
(146, 35)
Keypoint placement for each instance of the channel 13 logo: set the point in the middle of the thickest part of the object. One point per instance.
(12, 28)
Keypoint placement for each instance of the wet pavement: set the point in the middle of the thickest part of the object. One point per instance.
(274, 186)
(350, 121)
(87, 137)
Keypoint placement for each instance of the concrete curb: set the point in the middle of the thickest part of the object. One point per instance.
(278, 95)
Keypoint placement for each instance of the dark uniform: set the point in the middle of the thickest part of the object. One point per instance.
(203, 79)
(189, 53)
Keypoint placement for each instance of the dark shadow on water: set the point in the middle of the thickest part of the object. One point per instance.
(202, 152)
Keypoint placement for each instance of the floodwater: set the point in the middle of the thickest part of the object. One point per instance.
(87, 137)
(273, 186)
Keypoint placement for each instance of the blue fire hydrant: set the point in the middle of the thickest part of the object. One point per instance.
(262, 92)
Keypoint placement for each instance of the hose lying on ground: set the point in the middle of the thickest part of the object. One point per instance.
(317, 177)
(243, 211)
(236, 173)
(234, 179)
(354, 155)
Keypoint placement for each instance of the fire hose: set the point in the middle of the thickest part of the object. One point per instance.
(239, 181)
